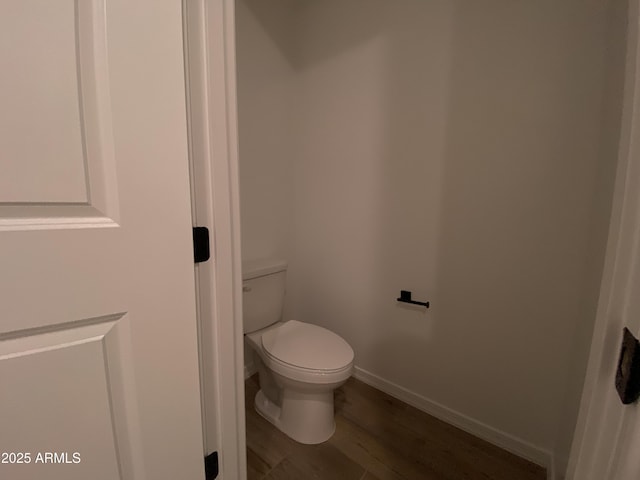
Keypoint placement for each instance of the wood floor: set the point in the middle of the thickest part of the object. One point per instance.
(377, 438)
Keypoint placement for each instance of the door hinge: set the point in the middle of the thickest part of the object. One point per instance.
(201, 252)
(628, 372)
(211, 466)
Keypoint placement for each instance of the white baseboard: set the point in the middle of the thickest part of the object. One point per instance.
(517, 446)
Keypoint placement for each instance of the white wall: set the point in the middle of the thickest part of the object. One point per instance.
(264, 40)
(451, 148)
(263, 31)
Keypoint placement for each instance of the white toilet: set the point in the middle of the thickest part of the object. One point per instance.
(299, 364)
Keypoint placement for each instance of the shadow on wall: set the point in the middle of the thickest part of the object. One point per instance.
(276, 19)
(358, 21)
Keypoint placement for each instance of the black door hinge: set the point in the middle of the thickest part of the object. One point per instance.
(211, 466)
(628, 371)
(201, 251)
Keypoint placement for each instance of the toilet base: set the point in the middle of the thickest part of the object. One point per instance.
(305, 417)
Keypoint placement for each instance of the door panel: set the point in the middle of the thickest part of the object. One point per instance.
(55, 95)
(98, 342)
(70, 370)
(39, 89)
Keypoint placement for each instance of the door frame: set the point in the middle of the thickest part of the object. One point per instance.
(604, 431)
(209, 27)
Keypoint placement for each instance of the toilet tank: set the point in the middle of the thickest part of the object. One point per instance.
(263, 283)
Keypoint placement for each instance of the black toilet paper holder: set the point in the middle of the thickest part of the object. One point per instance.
(405, 297)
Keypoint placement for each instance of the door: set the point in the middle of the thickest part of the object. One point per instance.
(607, 436)
(98, 343)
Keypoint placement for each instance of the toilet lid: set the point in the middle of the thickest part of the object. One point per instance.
(307, 346)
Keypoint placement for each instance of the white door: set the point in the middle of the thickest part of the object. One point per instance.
(98, 343)
(607, 438)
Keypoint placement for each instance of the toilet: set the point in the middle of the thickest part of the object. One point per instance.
(299, 364)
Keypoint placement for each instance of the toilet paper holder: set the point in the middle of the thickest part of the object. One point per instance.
(405, 297)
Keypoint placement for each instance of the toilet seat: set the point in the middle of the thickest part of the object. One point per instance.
(307, 347)
(310, 354)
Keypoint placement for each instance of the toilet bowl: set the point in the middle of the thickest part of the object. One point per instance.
(299, 364)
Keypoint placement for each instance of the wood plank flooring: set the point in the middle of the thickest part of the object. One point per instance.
(377, 438)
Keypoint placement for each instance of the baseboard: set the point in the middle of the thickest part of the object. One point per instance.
(497, 437)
